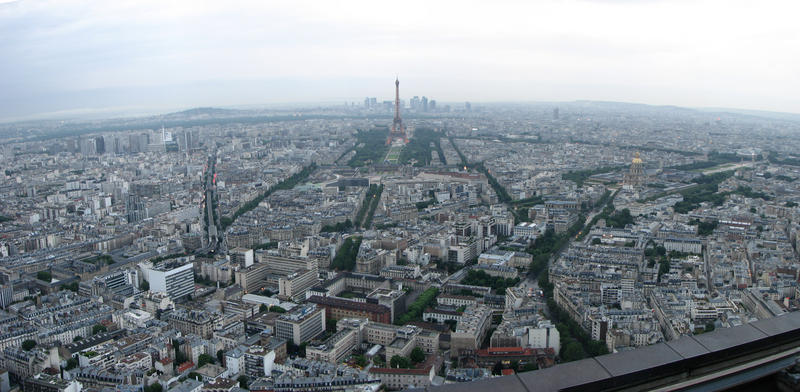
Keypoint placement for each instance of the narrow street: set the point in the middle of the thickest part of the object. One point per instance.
(210, 187)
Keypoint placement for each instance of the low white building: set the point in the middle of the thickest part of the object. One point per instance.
(234, 361)
(545, 335)
(527, 229)
(258, 361)
(133, 319)
(456, 300)
(686, 245)
(404, 378)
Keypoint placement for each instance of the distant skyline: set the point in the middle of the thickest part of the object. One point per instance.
(76, 57)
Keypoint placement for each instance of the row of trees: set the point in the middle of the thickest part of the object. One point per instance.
(451, 266)
(619, 219)
(659, 255)
(613, 218)
(549, 242)
(693, 198)
(101, 259)
(341, 226)
(370, 147)
(204, 280)
(345, 259)
(421, 205)
(704, 228)
(458, 151)
(528, 201)
(576, 343)
(73, 286)
(414, 311)
(579, 176)
(502, 194)
(420, 147)
(706, 191)
(714, 159)
(266, 245)
(608, 200)
(746, 191)
(416, 356)
(288, 183)
(168, 257)
(481, 278)
(522, 206)
(372, 192)
(273, 308)
(790, 161)
(376, 198)
(360, 360)
(44, 276)
(155, 387)
(293, 349)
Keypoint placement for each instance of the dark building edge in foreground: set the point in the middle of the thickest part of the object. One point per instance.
(657, 366)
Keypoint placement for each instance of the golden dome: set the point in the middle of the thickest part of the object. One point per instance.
(636, 159)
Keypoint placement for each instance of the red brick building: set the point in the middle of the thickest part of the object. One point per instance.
(339, 308)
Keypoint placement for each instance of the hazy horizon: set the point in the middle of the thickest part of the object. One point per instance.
(148, 57)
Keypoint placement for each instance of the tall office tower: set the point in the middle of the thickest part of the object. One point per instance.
(555, 114)
(144, 141)
(424, 104)
(184, 140)
(241, 256)
(87, 147)
(100, 145)
(415, 103)
(138, 142)
(117, 282)
(6, 295)
(258, 361)
(195, 138)
(118, 147)
(133, 143)
(301, 324)
(135, 208)
(175, 278)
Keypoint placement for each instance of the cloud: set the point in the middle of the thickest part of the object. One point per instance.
(695, 53)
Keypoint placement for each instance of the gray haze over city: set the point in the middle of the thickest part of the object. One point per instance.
(369, 197)
(146, 56)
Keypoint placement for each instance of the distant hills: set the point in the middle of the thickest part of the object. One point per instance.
(53, 128)
(755, 113)
(206, 112)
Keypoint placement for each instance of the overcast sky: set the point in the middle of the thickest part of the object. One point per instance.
(65, 56)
